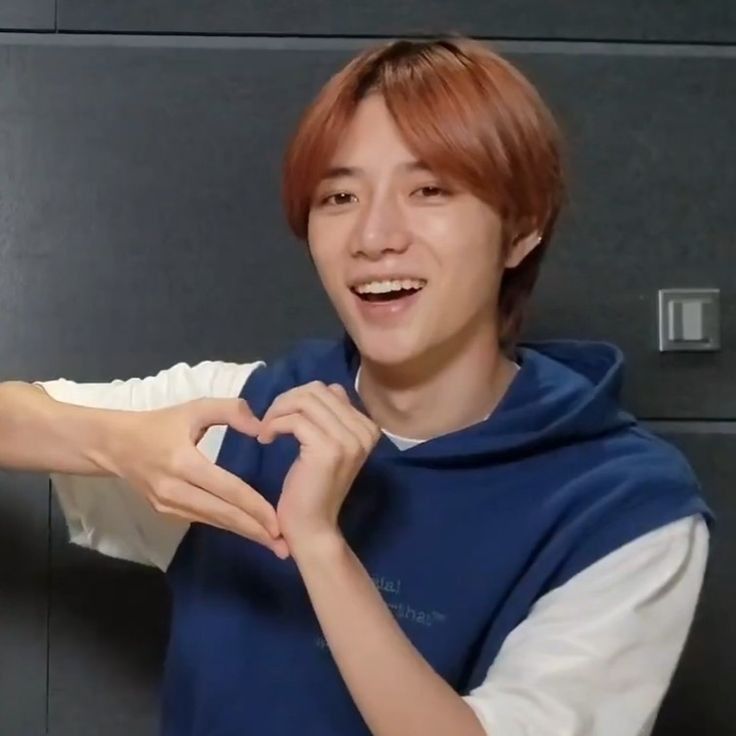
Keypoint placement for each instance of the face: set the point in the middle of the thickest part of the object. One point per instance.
(411, 262)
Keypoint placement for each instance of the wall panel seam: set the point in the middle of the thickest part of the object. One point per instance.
(348, 43)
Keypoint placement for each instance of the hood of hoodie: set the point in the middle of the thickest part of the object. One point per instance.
(564, 392)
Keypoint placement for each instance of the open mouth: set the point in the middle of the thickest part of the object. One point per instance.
(387, 293)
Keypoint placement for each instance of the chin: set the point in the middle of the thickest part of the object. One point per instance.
(387, 350)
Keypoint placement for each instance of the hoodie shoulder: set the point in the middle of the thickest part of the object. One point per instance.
(636, 484)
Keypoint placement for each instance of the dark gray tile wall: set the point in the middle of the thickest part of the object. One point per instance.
(28, 15)
(107, 630)
(700, 699)
(653, 172)
(647, 209)
(688, 20)
(144, 213)
(24, 603)
(139, 207)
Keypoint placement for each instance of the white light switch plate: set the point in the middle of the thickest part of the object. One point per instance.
(689, 319)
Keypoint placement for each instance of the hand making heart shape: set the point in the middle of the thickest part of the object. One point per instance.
(157, 452)
(335, 439)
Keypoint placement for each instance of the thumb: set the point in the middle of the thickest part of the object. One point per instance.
(233, 412)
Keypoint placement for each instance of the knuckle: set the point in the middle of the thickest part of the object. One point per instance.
(165, 492)
(181, 459)
(157, 503)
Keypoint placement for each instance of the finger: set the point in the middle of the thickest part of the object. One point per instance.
(301, 427)
(342, 396)
(235, 413)
(350, 427)
(196, 504)
(363, 427)
(360, 428)
(317, 410)
(234, 491)
(336, 417)
(339, 391)
(285, 403)
(280, 548)
(302, 399)
(288, 402)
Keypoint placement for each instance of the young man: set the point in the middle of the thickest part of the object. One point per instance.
(469, 536)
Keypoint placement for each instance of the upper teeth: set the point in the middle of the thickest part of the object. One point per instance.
(381, 287)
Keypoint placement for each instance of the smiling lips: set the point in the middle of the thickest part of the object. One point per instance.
(387, 289)
(383, 302)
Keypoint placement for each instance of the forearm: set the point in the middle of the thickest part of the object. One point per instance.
(40, 434)
(395, 689)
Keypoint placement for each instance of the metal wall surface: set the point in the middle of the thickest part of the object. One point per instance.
(647, 20)
(141, 226)
(24, 603)
(699, 700)
(28, 15)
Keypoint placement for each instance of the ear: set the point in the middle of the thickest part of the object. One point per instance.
(521, 248)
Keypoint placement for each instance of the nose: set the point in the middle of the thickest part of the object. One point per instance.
(381, 228)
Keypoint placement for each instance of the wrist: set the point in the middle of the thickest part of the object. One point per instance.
(317, 545)
(107, 433)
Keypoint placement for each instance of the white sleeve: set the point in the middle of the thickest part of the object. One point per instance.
(104, 513)
(596, 655)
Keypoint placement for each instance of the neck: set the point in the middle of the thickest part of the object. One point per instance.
(445, 389)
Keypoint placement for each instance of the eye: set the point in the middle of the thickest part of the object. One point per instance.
(338, 198)
(431, 191)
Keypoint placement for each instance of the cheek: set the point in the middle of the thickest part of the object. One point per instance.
(437, 226)
(329, 234)
(463, 241)
(325, 246)
(320, 237)
(478, 273)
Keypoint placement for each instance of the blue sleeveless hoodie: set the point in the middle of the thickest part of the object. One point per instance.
(461, 534)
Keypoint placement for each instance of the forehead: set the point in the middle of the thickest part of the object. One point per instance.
(371, 137)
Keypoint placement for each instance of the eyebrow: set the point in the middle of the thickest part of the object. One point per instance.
(337, 172)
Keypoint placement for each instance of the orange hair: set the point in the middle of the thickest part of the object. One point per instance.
(469, 115)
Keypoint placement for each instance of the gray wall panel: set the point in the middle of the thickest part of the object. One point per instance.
(108, 625)
(700, 700)
(183, 266)
(688, 20)
(144, 222)
(28, 15)
(653, 172)
(161, 189)
(24, 515)
(141, 225)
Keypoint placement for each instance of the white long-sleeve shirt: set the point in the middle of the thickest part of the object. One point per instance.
(593, 658)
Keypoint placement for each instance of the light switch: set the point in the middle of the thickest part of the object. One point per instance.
(686, 320)
(689, 319)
